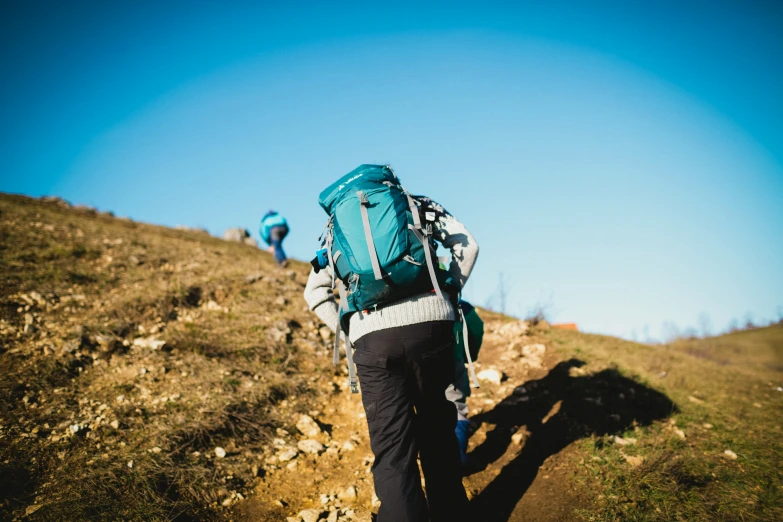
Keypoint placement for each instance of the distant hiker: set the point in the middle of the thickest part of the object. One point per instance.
(398, 309)
(274, 228)
(459, 390)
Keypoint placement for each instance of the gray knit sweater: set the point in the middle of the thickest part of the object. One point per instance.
(416, 309)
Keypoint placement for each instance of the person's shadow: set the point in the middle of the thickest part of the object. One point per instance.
(556, 410)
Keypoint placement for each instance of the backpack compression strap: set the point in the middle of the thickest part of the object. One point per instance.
(376, 266)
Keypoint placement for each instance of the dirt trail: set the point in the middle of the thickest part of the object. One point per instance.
(503, 480)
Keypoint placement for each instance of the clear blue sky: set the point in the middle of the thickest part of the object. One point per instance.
(623, 163)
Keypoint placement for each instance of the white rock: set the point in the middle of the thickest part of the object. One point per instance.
(348, 494)
(115, 424)
(212, 306)
(679, 433)
(634, 461)
(220, 452)
(325, 332)
(332, 516)
(236, 234)
(310, 446)
(74, 428)
(310, 515)
(490, 375)
(517, 438)
(513, 329)
(149, 342)
(308, 426)
(348, 446)
(533, 355)
(730, 454)
(130, 464)
(287, 454)
(624, 442)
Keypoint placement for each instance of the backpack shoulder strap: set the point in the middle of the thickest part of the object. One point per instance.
(422, 235)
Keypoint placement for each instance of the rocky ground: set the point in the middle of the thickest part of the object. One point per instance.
(148, 373)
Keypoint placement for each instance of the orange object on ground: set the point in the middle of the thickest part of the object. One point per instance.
(566, 326)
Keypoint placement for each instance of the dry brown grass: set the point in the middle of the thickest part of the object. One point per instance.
(104, 282)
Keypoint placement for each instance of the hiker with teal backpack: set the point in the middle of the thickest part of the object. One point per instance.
(471, 330)
(397, 309)
(274, 228)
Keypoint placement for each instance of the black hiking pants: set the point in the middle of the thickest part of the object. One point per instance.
(404, 373)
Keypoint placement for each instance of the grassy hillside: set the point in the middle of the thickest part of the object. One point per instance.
(157, 374)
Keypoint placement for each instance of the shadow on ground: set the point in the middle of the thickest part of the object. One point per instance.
(557, 410)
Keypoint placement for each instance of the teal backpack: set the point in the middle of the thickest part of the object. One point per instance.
(379, 249)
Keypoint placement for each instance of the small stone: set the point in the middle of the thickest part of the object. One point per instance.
(227, 501)
(490, 375)
(348, 446)
(156, 449)
(332, 452)
(115, 424)
(333, 514)
(679, 433)
(325, 332)
(695, 400)
(624, 442)
(308, 426)
(252, 278)
(707, 425)
(212, 306)
(635, 462)
(130, 464)
(310, 515)
(31, 509)
(287, 454)
(730, 454)
(348, 494)
(281, 301)
(518, 438)
(149, 342)
(310, 446)
(220, 452)
(533, 355)
(74, 428)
